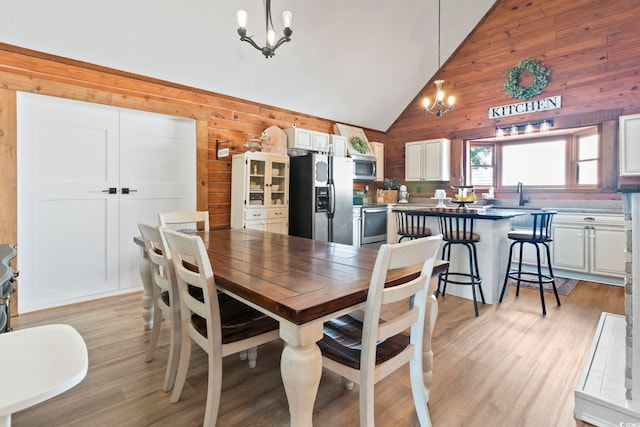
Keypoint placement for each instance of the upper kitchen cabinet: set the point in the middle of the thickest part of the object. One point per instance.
(630, 145)
(339, 145)
(427, 160)
(260, 192)
(304, 139)
(378, 150)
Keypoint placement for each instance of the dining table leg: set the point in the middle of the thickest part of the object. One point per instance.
(301, 369)
(144, 268)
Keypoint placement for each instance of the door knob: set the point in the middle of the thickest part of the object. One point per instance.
(126, 190)
(111, 190)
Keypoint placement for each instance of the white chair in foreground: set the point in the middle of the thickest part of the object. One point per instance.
(184, 219)
(165, 297)
(367, 351)
(38, 364)
(219, 329)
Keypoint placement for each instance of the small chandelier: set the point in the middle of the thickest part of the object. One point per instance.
(271, 44)
(438, 107)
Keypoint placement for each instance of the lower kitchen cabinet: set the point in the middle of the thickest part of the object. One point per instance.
(589, 244)
(528, 253)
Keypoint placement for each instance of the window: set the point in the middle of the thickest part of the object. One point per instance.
(587, 159)
(536, 163)
(564, 159)
(482, 162)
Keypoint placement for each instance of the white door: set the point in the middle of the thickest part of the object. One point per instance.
(75, 236)
(158, 166)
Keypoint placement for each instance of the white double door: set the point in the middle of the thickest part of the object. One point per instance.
(87, 174)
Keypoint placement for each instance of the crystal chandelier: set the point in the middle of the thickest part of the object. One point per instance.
(438, 107)
(271, 44)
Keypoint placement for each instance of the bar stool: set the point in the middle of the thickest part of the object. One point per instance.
(458, 229)
(540, 234)
(412, 224)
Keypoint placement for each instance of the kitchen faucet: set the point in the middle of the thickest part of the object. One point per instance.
(520, 192)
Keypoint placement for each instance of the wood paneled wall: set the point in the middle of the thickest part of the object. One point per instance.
(592, 49)
(218, 118)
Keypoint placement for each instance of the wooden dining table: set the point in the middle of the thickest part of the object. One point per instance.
(302, 283)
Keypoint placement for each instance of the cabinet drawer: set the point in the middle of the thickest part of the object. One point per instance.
(278, 213)
(251, 214)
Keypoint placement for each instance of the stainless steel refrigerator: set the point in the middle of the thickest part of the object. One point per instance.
(321, 198)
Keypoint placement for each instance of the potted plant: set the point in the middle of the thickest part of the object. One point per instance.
(390, 188)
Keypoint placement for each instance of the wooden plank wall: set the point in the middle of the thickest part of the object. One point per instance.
(592, 49)
(218, 118)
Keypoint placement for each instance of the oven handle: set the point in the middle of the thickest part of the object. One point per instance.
(373, 210)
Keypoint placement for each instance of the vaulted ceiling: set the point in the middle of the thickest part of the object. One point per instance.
(359, 61)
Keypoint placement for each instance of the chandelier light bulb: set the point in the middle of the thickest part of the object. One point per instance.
(242, 19)
(271, 38)
(425, 103)
(451, 100)
(287, 16)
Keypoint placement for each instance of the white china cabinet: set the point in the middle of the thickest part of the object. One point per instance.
(260, 192)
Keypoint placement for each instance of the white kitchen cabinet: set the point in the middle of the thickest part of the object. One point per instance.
(378, 151)
(590, 244)
(304, 139)
(260, 192)
(339, 144)
(528, 252)
(630, 145)
(427, 160)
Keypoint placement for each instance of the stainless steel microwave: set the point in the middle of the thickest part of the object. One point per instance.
(364, 168)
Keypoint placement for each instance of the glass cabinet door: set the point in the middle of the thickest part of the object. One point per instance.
(257, 182)
(278, 184)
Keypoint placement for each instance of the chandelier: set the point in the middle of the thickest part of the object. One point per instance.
(271, 44)
(438, 107)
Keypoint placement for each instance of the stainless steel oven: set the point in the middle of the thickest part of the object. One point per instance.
(373, 225)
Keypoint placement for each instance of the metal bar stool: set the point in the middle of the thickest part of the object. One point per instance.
(540, 234)
(412, 225)
(458, 229)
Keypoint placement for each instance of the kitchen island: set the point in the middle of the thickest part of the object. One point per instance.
(492, 225)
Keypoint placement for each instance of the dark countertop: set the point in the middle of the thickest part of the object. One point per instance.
(479, 213)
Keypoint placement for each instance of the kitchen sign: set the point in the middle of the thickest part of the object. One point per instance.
(525, 107)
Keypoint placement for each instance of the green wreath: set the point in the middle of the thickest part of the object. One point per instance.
(512, 86)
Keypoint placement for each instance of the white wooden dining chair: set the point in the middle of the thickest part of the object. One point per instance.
(367, 351)
(184, 219)
(219, 329)
(165, 297)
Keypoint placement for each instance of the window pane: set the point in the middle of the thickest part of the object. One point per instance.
(482, 176)
(588, 147)
(588, 172)
(481, 155)
(540, 163)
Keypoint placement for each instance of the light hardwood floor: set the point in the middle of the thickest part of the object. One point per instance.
(508, 367)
